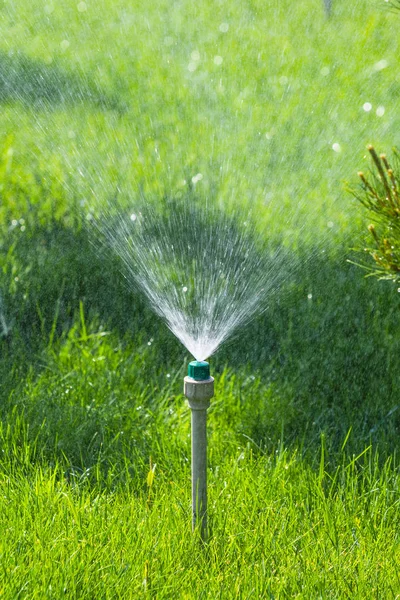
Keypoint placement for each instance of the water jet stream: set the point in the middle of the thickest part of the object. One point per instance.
(205, 272)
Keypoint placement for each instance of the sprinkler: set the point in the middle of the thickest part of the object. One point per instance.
(199, 389)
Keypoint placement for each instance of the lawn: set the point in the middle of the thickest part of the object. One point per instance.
(262, 106)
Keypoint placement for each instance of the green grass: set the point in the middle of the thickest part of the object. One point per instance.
(303, 430)
(280, 527)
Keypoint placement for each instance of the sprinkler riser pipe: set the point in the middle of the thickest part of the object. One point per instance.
(199, 394)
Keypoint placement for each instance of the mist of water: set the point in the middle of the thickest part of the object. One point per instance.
(203, 270)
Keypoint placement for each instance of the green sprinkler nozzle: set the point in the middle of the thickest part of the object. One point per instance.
(199, 370)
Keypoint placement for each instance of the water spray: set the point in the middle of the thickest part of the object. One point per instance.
(199, 389)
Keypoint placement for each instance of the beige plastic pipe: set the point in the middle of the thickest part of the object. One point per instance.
(199, 394)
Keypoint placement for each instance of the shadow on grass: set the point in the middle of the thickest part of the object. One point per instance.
(38, 85)
(55, 269)
(328, 352)
(309, 365)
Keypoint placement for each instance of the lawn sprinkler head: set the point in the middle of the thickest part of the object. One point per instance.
(199, 370)
(199, 385)
(199, 389)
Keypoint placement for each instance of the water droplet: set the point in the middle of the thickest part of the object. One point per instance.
(184, 289)
(197, 178)
(367, 106)
(168, 375)
(224, 27)
(380, 111)
(133, 217)
(336, 147)
(218, 60)
(380, 65)
(64, 45)
(309, 296)
(82, 6)
(268, 196)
